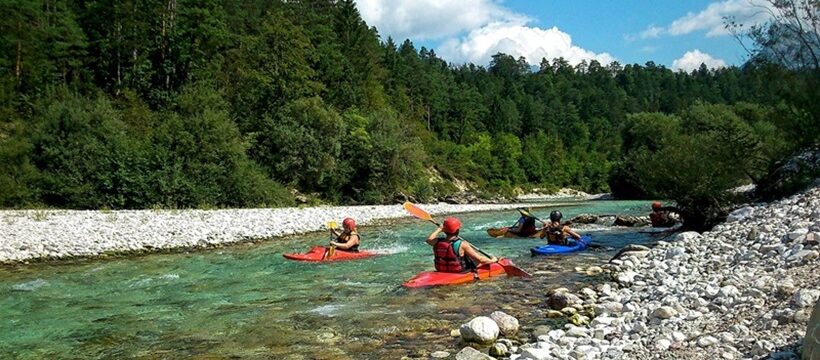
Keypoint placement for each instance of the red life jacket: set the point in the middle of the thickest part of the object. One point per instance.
(447, 258)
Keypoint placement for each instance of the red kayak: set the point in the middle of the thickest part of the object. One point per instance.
(317, 253)
(435, 278)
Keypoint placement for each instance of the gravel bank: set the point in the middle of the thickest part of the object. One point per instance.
(745, 290)
(60, 234)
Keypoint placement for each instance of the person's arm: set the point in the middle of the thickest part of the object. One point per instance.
(431, 240)
(517, 225)
(335, 233)
(470, 251)
(349, 244)
(574, 234)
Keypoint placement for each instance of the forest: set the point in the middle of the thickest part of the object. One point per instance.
(180, 104)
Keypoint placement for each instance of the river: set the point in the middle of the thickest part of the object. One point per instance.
(246, 301)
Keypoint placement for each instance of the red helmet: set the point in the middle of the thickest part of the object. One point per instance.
(656, 205)
(349, 223)
(451, 225)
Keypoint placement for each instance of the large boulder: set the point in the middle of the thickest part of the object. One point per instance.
(585, 219)
(480, 330)
(507, 324)
(811, 343)
(638, 251)
(630, 221)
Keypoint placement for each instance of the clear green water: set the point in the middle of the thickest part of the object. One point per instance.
(246, 301)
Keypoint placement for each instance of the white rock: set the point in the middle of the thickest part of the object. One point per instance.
(535, 354)
(665, 312)
(706, 341)
(675, 252)
(479, 330)
(740, 214)
(806, 297)
(626, 277)
(468, 353)
(794, 235)
(663, 344)
(576, 331)
(687, 236)
(507, 324)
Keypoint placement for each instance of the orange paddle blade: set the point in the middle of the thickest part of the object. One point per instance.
(417, 211)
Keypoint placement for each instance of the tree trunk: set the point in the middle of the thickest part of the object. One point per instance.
(18, 66)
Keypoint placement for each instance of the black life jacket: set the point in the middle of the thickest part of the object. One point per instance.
(527, 226)
(354, 248)
(447, 258)
(555, 234)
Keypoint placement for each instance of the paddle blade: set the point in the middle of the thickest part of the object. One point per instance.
(417, 212)
(331, 224)
(528, 214)
(511, 269)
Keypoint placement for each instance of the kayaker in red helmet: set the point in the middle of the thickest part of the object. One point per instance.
(452, 253)
(348, 239)
(660, 216)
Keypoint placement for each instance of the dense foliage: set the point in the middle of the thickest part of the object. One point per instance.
(180, 103)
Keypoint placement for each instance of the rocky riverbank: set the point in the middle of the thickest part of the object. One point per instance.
(744, 290)
(27, 235)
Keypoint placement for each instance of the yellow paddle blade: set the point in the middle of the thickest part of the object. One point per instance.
(417, 211)
(331, 225)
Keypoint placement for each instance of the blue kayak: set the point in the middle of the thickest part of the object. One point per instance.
(562, 249)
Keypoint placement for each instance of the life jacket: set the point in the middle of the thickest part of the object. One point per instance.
(354, 248)
(555, 234)
(447, 258)
(661, 219)
(527, 226)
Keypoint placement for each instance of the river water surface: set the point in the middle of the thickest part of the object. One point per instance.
(246, 301)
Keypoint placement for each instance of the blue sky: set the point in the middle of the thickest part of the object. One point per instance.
(677, 34)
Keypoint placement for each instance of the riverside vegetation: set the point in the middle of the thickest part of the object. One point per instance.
(185, 104)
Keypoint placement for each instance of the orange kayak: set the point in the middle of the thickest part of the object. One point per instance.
(502, 232)
(317, 253)
(435, 278)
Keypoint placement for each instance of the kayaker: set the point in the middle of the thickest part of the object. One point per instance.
(452, 253)
(348, 239)
(555, 232)
(525, 226)
(660, 216)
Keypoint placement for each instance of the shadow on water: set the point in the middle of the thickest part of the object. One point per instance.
(246, 301)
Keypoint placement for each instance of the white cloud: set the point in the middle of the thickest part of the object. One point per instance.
(432, 19)
(472, 30)
(712, 19)
(533, 43)
(651, 32)
(692, 60)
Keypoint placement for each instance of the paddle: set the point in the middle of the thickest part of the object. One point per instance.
(330, 249)
(509, 268)
(527, 213)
